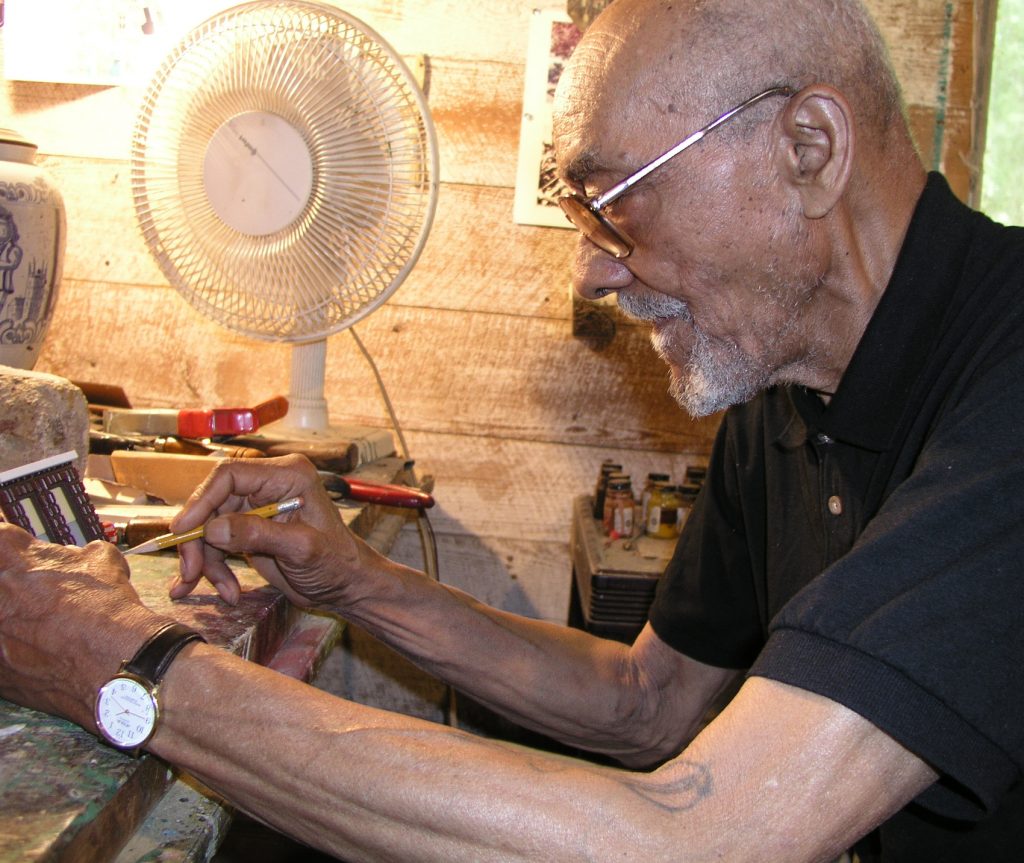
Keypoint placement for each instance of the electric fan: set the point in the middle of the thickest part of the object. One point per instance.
(284, 174)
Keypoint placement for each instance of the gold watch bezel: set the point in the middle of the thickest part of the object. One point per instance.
(106, 691)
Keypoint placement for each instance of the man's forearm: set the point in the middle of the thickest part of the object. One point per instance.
(589, 692)
(366, 784)
(581, 690)
(369, 785)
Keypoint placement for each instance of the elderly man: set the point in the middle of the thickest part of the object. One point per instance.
(855, 552)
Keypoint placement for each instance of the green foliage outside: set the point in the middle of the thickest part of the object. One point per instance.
(1002, 182)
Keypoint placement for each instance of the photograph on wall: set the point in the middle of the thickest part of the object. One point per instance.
(552, 39)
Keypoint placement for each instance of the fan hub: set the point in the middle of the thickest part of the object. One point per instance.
(258, 173)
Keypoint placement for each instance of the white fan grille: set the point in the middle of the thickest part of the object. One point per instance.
(374, 157)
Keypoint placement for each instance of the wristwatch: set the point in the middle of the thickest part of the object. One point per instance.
(127, 706)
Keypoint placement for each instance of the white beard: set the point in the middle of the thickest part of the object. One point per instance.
(709, 376)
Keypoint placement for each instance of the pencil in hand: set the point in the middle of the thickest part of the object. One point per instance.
(169, 540)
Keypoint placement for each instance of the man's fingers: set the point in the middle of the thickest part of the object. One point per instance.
(218, 573)
(239, 484)
(13, 537)
(241, 533)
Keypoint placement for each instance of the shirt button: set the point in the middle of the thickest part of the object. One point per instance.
(823, 438)
(835, 505)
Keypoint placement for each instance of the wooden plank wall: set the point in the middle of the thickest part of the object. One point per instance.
(498, 400)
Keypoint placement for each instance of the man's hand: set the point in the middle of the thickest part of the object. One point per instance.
(68, 616)
(308, 554)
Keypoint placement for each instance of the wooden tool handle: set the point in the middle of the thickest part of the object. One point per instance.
(336, 457)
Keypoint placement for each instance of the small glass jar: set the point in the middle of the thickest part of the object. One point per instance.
(696, 474)
(653, 479)
(619, 506)
(667, 512)
(608, 467)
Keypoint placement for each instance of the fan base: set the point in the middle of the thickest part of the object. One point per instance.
(336, 448)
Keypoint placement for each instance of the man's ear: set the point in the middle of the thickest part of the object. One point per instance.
(815, 147)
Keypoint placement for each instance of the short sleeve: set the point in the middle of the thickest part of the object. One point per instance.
(920, 627)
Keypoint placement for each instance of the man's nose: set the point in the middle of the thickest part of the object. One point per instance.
(596, 273)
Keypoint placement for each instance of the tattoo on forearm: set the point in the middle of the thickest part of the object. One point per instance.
(677, 787)
(690, 784)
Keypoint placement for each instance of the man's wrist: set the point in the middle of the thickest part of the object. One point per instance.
(118, 638)
(127, 706)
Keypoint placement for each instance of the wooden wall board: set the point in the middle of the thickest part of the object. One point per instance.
(477, 109)
(475, 86)
(949, 155)
(104, 243)
(477, 259)
(488, 374)
(482, 30)
(919, 35)
(985, 21)
(523, 378)
(936, 55)
(522, 490)
(498, 31)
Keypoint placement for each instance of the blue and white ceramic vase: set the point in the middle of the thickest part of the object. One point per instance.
(32, 226)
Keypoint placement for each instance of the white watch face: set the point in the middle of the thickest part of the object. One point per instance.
(126, 712)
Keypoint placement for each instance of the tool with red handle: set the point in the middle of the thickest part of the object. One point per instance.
(385, 494)
(197, 423)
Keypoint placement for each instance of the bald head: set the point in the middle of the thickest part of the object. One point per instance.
(678, 55)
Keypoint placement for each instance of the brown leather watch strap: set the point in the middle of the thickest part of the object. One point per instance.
(155, 656)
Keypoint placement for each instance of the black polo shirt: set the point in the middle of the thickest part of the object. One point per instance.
(872, 550)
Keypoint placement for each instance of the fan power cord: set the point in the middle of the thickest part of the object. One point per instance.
(422, 522)
(432, 571)
(429, 545)
(383, 392)
(426, 530)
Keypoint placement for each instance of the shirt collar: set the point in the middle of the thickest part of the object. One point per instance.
(870, 399)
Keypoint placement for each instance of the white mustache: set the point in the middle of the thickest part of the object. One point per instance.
(652, 307)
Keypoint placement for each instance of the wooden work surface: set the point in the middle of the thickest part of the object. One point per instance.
(65, 796)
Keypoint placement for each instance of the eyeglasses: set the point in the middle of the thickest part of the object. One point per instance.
(585, 213)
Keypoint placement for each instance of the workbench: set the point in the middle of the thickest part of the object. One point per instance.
(65, 796)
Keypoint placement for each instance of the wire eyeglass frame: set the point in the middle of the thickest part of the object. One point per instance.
(585, 213)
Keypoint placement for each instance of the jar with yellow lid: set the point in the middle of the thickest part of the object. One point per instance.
(666, 512)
